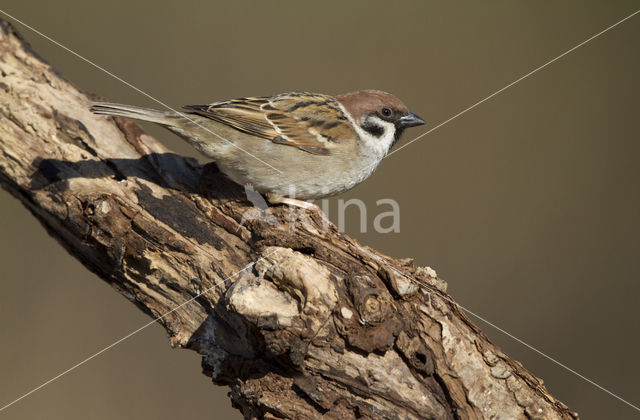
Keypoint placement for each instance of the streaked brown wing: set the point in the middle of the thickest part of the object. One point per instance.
(311, 122)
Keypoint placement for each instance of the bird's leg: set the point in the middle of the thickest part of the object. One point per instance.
(276, 199)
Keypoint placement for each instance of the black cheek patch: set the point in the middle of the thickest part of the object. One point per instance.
(373, 129)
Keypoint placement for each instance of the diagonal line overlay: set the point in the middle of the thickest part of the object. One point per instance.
(182, 114)
(132, 333)
(514, 82)
(251, 265)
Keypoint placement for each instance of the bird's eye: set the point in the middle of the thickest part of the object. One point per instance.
(386, 112)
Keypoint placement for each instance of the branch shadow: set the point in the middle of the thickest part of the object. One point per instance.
(167, 170)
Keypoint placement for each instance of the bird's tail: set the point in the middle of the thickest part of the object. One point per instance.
(130, 111)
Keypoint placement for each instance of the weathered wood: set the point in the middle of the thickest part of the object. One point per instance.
(298, 321)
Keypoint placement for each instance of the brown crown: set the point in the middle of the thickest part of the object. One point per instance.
(366, 102)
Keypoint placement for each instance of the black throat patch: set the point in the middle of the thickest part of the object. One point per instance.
(396, 136)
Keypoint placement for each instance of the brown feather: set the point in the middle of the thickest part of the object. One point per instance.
(311, 122)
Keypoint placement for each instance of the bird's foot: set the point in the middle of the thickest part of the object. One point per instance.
(276, 199)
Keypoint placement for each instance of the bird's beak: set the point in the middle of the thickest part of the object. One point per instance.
(410, 120)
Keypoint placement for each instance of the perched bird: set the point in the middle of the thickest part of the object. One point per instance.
(292, 146)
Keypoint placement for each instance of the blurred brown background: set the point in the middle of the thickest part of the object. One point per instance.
(528, 205)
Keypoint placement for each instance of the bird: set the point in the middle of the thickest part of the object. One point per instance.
(292, 147)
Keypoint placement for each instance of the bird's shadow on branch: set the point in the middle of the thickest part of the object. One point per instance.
(167, 170)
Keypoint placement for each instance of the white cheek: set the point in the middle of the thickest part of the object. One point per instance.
(379, 145)
(373, 148)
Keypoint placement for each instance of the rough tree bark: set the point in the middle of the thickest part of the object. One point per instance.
(299, 323)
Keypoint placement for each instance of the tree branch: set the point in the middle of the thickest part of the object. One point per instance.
(299, 322)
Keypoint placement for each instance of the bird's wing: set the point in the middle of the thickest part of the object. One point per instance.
(311, 122)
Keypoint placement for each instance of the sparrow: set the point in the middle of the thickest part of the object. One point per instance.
(291, 147)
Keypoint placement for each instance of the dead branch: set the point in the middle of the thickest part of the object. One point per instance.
(299, 323)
